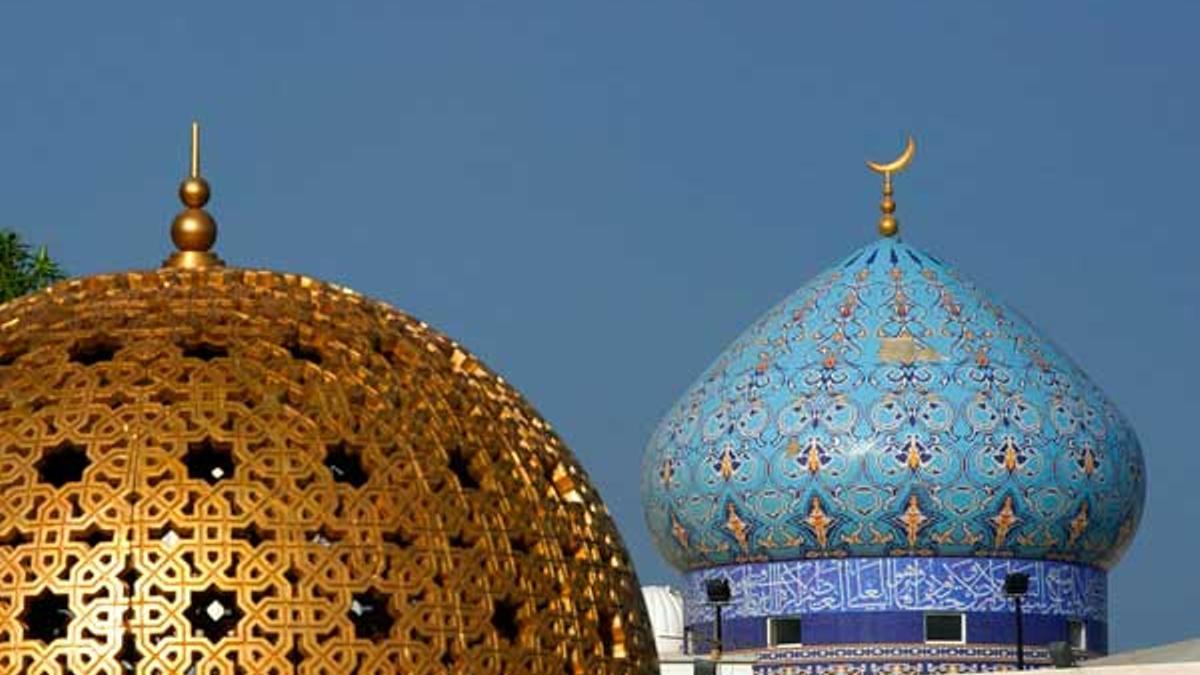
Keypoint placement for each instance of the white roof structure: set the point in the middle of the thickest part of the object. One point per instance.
(665, 606)
(1170, 659)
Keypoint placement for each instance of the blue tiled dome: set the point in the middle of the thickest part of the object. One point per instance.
(892, 408)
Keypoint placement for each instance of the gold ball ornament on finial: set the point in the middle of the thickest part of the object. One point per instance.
(194, 192)
(889, 225)
(194, 231)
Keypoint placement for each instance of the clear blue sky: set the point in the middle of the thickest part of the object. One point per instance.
(597, 197)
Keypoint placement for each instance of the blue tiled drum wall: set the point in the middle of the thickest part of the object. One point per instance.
(858, 599)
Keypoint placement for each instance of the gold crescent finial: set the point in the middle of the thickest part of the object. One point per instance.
(889, 226)
(194, 231)
(896, 165)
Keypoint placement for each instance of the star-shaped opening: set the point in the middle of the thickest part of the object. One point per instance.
(370, 615)
(62, 464)
(209, 461)
(214, 613)
(46, 616)
(346, 466)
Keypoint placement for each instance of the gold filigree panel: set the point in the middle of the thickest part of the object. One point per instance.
(232, 471)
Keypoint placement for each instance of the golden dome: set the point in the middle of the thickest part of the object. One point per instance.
(230, 471)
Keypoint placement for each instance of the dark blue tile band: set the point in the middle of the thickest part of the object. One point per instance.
(783, 588)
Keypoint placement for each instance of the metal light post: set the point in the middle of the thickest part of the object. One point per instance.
(1016, 585)
(718, 594)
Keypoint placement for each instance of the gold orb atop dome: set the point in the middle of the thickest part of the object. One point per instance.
(217, 470)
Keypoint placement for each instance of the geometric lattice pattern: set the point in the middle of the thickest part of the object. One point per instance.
(265, 474)
(892, 408)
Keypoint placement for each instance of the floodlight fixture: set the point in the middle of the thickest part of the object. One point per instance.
(718, 590)
(719, 594)
(1016, 584)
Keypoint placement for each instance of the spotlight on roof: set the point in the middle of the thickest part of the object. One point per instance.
(718, 594)
(717, 590)
(1016, 584)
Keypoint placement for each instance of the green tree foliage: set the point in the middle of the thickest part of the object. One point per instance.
(23, 270)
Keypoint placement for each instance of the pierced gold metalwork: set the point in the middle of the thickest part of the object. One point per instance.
(237, 471)
(889, 226)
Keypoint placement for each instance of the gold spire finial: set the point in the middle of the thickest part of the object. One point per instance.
(195, 149)
(888, 225)
(194, 231)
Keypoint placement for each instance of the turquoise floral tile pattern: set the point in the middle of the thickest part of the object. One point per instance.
(892, 408)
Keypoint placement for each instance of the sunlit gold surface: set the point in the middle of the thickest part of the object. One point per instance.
(194, 231)
(473, 520)
(889, 225)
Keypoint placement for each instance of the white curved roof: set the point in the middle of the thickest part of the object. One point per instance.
(665, 607)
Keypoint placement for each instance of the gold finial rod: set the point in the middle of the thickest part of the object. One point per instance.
(889, 226)
(195, 149)
(194, 231)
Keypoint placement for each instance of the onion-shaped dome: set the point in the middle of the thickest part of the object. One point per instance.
(890, 407)
(219, 470)
(665, 607)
